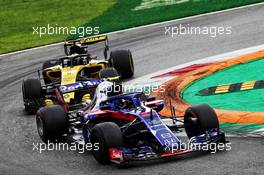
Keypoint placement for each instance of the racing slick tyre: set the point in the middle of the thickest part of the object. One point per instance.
(31, 88)
(50, 63)
(52, 123)
(200, 118)
(122, 61)
(32, 91)
(108, 73)
(108, 135)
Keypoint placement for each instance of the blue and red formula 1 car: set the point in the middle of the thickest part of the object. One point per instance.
(128, 127)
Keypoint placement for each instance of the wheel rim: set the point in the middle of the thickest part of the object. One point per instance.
(40, 126)
(191, 124)
(191, 119)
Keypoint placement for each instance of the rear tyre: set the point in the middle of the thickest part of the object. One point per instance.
(122, 61)
(108, 135)
(200, 118)
(52, 123)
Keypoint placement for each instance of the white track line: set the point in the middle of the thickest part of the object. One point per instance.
(144, 26)
(220, 57)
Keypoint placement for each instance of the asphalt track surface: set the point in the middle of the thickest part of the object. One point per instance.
(152, 51)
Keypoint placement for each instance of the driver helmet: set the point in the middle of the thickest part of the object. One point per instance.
(115, 89)
(66, 62)
(121, 103)
(84, 61)
(77, 61)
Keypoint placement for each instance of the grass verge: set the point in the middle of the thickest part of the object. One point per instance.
(120, 16)
(19, 16)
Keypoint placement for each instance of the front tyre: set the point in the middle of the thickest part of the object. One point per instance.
(32, 91)
(52, 123)
(31, 88)
(200, 118)
(50, 63)
(108, 135)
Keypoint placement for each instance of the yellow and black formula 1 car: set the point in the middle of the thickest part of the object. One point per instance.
(77, 66)
(80, 63)
(36, 95)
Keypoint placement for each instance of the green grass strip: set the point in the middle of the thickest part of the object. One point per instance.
(242, 101)
(120, 16)
(19, 16)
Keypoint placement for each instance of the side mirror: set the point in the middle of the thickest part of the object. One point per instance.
(159, 107)
(150, 99)
(156, 105)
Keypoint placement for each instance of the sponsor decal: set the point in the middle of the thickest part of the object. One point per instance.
(75, 86)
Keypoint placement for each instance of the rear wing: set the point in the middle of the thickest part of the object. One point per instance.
(78, 86)
(84, 42)
(87, 41)
(84, 84)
